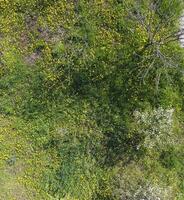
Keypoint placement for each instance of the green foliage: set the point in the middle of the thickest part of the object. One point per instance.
(91, 88)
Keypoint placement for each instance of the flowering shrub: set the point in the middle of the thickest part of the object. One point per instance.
(131, 184)
(156, 126)
(147, 192)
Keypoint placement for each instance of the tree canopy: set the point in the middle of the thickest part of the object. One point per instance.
(91, 100)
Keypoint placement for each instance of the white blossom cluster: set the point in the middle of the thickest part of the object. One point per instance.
(147, 192)
(156, 126)
(130, 184)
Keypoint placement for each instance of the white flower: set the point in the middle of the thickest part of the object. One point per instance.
(156, 126)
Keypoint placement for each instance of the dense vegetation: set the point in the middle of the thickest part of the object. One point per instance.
(91, 100)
